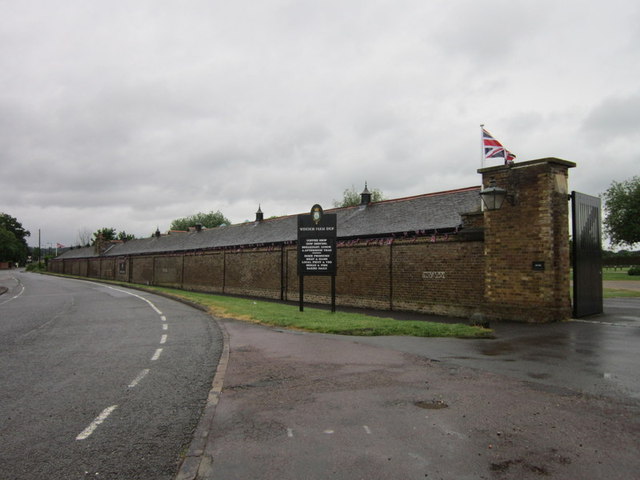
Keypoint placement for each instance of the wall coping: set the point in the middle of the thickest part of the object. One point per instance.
(529, 163)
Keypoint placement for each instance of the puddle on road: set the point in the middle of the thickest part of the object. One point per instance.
(542, 345)
(538, 376)
(497, 349)
(431, 404)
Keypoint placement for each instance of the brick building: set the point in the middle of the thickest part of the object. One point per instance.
(435, 253)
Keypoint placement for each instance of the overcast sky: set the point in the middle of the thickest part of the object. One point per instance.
(129, 114)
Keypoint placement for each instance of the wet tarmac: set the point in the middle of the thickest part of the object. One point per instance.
(595, 355)
(552, 401)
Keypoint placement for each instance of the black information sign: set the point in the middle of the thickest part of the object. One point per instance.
(317, 243)
(539, 266)
(317, 249)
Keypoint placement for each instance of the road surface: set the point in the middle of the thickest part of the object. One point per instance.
(98, 381)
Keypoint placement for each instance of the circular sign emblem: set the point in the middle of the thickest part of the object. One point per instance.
(316, 213)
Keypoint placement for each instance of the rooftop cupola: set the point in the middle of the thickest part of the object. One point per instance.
(365, 196)
(259, 215)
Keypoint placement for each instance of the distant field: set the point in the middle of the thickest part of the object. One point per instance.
(611, 273)
(618, 274)
(615, 293)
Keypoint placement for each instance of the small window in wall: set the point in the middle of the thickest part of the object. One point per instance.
(122, 267)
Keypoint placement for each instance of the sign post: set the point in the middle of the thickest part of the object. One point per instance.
(317, 248)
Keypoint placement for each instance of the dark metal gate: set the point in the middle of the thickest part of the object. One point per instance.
(587, 255)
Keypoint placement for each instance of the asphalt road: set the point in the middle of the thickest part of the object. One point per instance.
(98, 381)
(298, 405)
(597, 355)
(550, 401)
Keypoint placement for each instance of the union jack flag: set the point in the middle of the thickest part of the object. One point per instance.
(494, 149)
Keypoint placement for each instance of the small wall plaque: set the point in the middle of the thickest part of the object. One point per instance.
(432, 275)
(537, 266)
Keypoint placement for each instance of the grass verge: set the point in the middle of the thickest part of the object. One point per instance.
(617, 293)
(619, 274)
(312, 319)
(319, 320)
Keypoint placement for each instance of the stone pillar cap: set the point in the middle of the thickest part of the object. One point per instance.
(529, 163)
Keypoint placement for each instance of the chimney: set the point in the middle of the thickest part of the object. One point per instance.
(157, 234)
(98, 246)
(365, 196)
(198, 227)
(102, 246)
(259, 215)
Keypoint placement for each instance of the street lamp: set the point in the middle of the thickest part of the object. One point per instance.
(493, 197)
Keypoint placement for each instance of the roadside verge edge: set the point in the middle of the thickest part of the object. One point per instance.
(195, 461)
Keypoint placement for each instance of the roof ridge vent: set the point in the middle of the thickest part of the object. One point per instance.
(365, 196)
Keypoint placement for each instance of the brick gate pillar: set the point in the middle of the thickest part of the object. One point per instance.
(527, 270)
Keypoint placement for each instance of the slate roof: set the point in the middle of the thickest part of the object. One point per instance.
(421, 213)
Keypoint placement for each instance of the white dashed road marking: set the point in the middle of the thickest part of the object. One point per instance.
(156, 309)
(16, 295)
(139, 378)
(86, 433)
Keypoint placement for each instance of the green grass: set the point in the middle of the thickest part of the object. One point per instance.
(312, 319)
(321, 321)
(619, 274)
(617, 293)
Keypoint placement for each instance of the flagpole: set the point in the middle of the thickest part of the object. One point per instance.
(481, 146)
(481, 161)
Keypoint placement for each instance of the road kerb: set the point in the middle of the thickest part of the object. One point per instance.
(194, 462)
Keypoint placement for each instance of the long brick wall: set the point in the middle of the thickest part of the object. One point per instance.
(442, 275)
(204, 272)
(444, 278)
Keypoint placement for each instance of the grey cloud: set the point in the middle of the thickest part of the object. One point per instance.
(487, 33)
(134, 114)
(617, 116)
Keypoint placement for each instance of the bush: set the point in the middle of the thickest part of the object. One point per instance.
(36, 267)
(634, 271)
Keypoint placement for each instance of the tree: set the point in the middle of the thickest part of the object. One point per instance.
(105, 234)
(14, 226)
(10, 247)
(108, 234)
(125, 237)
(622, 212)
(13, 243)
(207, 220)
(351, 197)
(84, 237)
